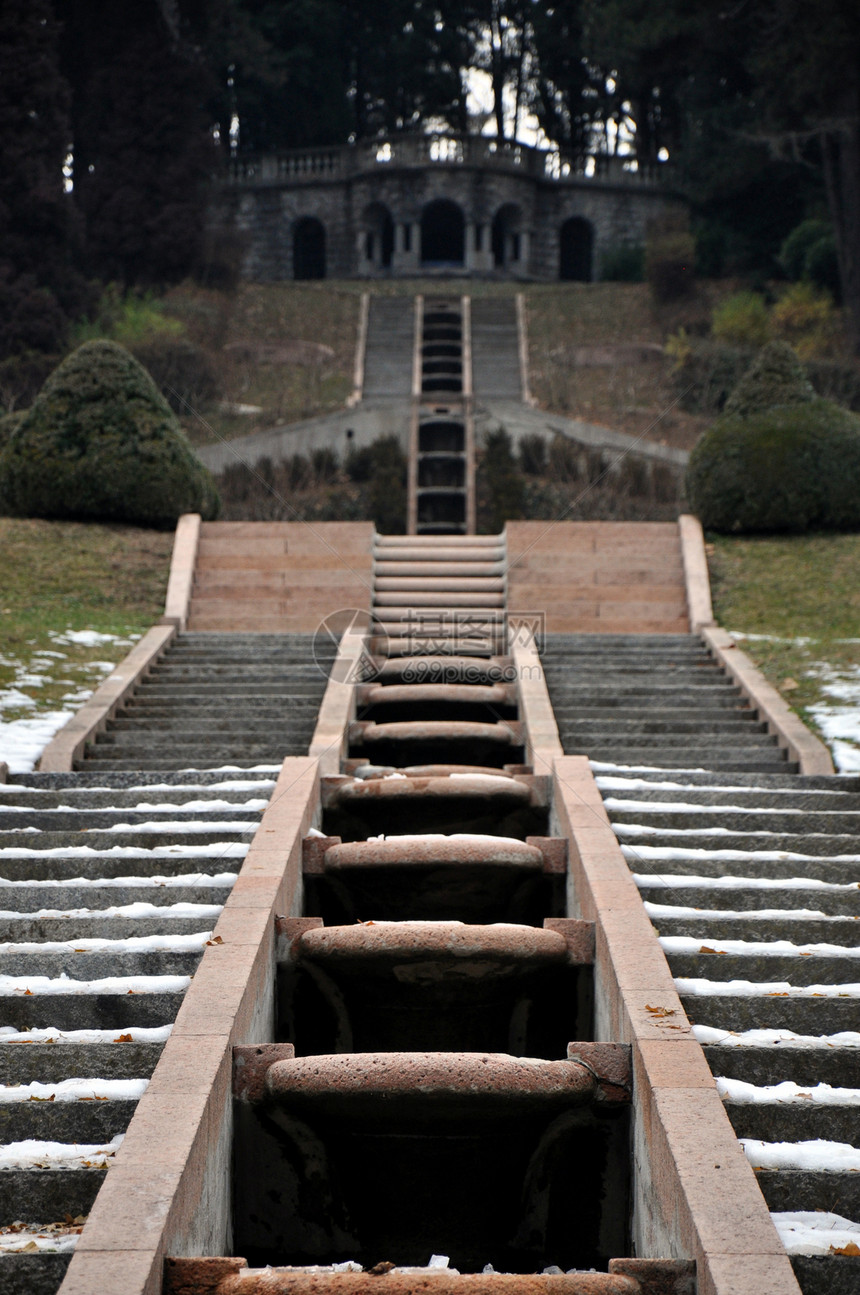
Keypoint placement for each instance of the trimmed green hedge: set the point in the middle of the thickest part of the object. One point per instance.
(790, 468)
(101, 443)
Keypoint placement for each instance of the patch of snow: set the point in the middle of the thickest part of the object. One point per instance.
(22, 741)
(51, 1034)
(180, 826)
(33, 1154)
(786, 1093)
(731, 856)
(762, 989)
(223, 849)
(684, 807)
(708, 1034)
(814, 1232)
(33, 1241)
(202, 912)
(63, 984)
(763, 948)
(197, 879)
(75, 1090)
(816, 1154)
(680, 880)
(132, 944)
(92, 638)
(762, 914)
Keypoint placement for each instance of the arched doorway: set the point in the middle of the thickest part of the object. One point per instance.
(443, 234)
(378, 228)
(576, 250)
(309, 249)
(506, 236)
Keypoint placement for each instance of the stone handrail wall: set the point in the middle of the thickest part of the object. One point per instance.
(436, 148)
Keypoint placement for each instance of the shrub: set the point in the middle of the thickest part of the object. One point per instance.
(670, 254)
(624, 263)
(741, 319)
(101, 443)
(805, 317)
(503, 479)
(775, 377)
(705, 373)
(789, 468)
(532, 451)
(387, 494)
(798, 244)
(9, 423)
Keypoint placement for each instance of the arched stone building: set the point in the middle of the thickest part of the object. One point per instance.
(436, 203)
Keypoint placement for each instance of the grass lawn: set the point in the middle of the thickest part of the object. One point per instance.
(62, 578)
(801, 595)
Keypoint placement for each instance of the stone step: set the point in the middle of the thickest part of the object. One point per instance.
(793, 1122)
(101, 965)
(795, 969)
(802, 1064)
(841, 903)
(766, 858)
(27, 929)
(101, 1011)
(87, 820)
(826, 1015)
(33, 899)
(110, 863)
(843, 931)
(830, 822)
(45, 1194)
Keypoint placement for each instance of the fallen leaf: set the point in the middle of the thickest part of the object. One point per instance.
(660, 1011)
(851, 1249)
(789, 685)
(215, 940)
(123, 1038)
(42, 1099)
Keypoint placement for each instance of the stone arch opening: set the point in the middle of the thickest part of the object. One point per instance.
(576, 250)
(378, 226)
(443, 233)
(309, 249)
(505, 236)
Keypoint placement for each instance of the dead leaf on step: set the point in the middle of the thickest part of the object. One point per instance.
(123, 1038)
(851, 1249)
(789, 685)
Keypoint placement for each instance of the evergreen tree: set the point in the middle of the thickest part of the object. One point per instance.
(143, 147)
(39, 287)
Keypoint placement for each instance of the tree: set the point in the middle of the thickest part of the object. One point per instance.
(807, 63)
(39, 287)
(142, 140)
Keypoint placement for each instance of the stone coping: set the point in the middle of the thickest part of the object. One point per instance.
(67, 746)
(182, 563)
(695, 1195)
(811, 754)
(696, 578)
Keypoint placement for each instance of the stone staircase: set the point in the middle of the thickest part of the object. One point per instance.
(751, 882)
(445, 590)
(219, 699)
(112, 886)
(496, 349)
(749, 873)
(388, 348)
(653, 700)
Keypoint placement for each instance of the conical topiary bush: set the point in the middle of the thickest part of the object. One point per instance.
(100, 443)
(779, 459)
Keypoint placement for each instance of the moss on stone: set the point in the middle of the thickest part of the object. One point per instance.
(101, 443)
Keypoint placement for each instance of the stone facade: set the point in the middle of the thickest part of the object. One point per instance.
(433, 204)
